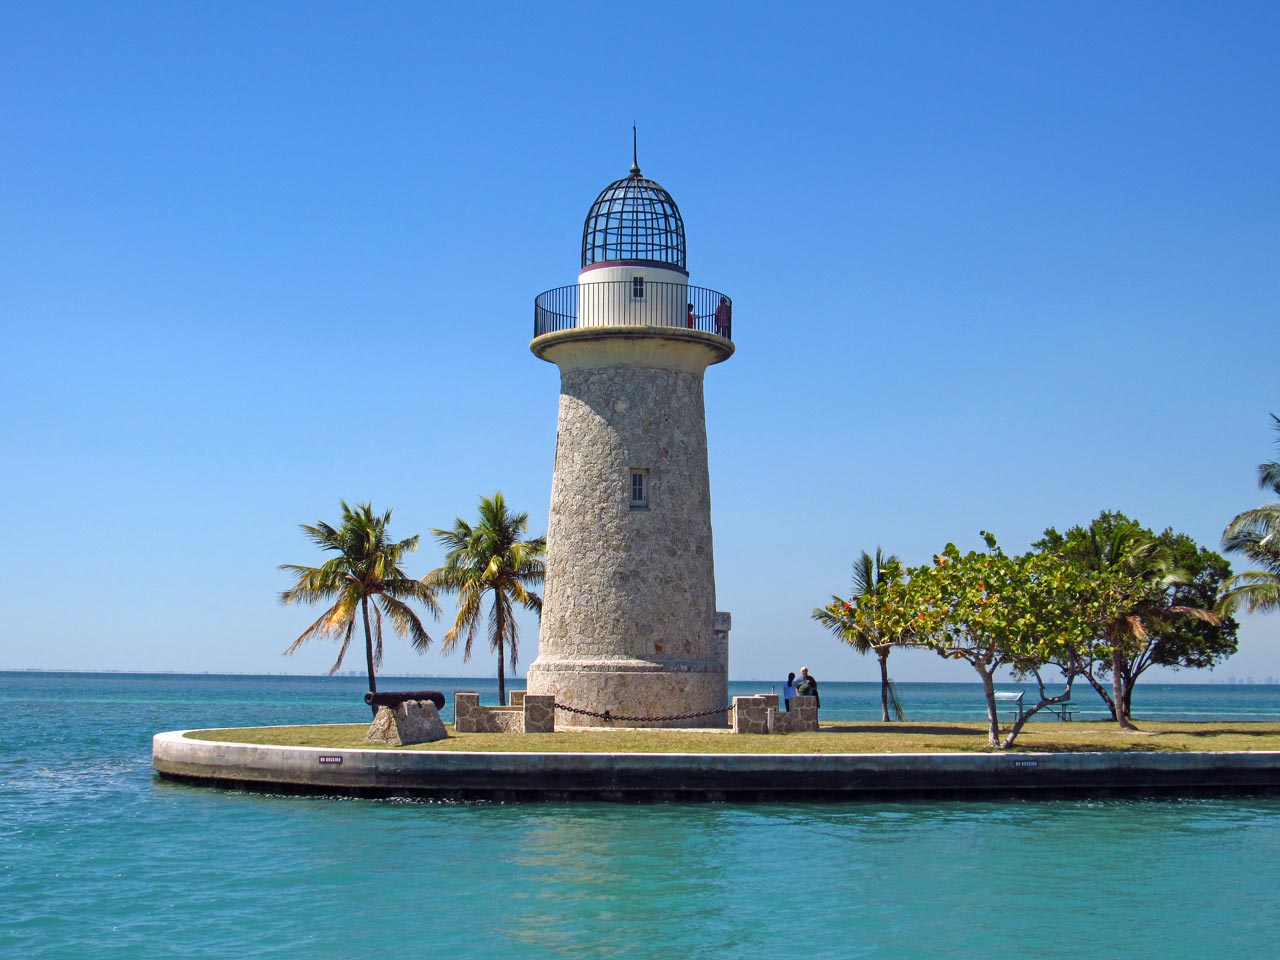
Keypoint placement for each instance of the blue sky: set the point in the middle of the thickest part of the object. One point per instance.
(995, 266)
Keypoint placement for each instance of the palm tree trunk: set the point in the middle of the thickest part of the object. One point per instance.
(502, 677)
(368, 648)
(501, 629)
(884, 686)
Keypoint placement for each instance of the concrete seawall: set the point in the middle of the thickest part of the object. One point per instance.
(665, 776)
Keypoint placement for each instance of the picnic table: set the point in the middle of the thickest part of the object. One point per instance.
(1063, 710)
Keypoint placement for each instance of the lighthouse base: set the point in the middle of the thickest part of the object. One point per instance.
(635, 693)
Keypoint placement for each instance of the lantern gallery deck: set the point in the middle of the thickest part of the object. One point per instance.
(648, 303)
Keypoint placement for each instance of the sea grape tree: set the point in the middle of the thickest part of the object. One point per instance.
(1159, 591)
(993, 610)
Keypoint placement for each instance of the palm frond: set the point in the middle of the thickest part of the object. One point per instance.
(322, 627)
(468, 618)
(377, 634)
(1256, 591)
(1136, 628)
(346, 642)
(405, 621)
(864, 574)
(1196, 613)
(406, 588)
(1269, 473)
(510, 634)
(1256, 534)
(895, 704)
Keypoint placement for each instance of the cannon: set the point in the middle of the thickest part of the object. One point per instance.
(394, 700)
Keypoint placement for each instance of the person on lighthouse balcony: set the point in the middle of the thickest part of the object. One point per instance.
(724, 317)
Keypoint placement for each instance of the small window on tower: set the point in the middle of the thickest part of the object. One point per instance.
(639, 489)
(637, 288)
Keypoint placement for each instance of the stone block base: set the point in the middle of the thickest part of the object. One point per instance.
(761, 715)
(413, 721)
(526, 714)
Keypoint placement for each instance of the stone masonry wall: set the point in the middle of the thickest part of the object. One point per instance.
(629, 583)
(533, 714)
(635, 689)
(761, 714)
(629, 603)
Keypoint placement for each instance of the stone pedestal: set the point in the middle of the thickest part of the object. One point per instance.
(761, 715)
(414, 721)
(528, 713)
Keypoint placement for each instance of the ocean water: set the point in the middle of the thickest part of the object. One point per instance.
(100, 859)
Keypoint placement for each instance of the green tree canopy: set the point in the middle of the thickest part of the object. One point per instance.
(1162, 589)
(993, 610)
(490, 557)
(366, 567)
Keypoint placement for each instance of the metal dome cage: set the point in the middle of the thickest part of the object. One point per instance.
(634, 219)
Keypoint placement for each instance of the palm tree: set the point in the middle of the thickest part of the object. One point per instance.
(1256, 534)
(871, 576)
(367, 567)
(492, 558)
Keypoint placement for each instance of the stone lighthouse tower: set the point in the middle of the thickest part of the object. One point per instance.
(629, 621)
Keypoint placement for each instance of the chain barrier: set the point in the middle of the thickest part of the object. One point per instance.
(608, 717)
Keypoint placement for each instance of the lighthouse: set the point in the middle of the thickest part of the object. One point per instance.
(629, 624)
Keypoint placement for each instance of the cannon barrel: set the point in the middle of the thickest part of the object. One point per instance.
(394, 700)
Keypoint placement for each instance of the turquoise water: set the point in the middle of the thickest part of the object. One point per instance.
(99, 859)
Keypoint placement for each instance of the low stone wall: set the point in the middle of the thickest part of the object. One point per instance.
(761, 714)
(526, 714)
(647, 776)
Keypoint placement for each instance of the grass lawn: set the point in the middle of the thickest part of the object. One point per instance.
(1047, 737)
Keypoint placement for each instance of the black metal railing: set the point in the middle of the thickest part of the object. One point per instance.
(636, 303)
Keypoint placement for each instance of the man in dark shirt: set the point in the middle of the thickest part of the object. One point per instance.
(806, 686)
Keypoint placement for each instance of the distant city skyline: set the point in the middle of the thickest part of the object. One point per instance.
(993, 268)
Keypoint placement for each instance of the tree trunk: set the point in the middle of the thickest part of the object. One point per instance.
(1129, 682)
(368, 648)
(1102, 692)
(1044, 701)
(884, 686)
(501, 630)
(1117, 686)
(993, 717)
